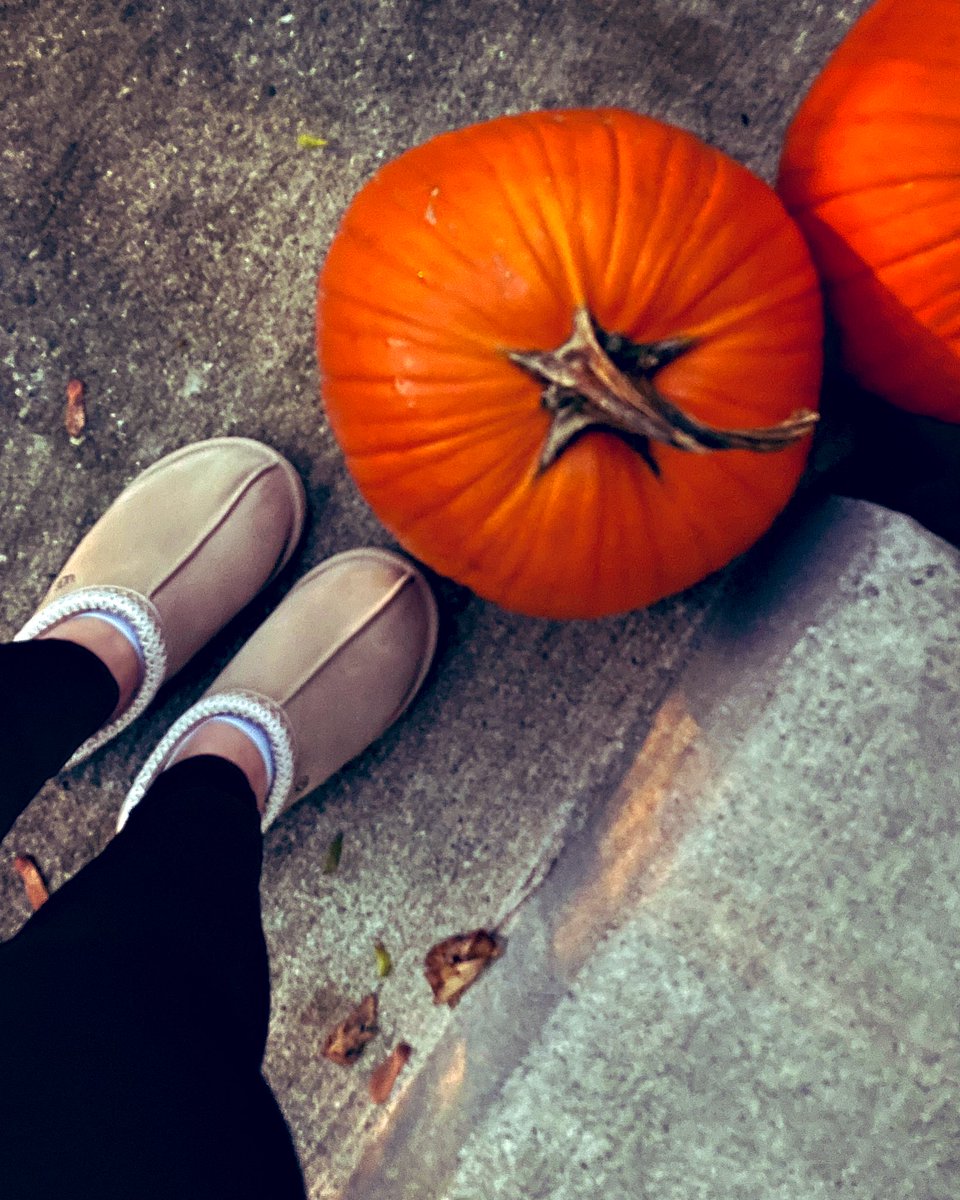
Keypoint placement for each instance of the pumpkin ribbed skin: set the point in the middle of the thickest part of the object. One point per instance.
(871, 172)
(488, 240)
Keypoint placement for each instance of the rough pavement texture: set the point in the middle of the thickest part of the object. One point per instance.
(161, 235)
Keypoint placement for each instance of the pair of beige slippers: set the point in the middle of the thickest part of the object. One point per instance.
(188, 545)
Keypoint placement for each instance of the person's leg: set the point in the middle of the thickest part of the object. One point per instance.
(135, 1005)
(53, 696)
(136, 1001)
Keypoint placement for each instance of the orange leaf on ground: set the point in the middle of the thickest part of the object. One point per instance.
(345, 1044)
(33, 884)
(452, 965)
(75, 416)
(385, 1076)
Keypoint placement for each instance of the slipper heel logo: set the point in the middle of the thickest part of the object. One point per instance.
(63, 582)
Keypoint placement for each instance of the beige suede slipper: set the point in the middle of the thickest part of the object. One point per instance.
(179, 553)
(331, 668)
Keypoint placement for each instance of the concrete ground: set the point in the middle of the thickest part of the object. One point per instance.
(758, 997)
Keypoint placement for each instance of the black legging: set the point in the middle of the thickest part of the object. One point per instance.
(134, 1004)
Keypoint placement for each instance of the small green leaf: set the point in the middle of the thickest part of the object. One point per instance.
(333, 854)
(306, 141)
(384, 961)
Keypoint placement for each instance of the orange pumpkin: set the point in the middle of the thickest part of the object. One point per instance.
(871, 171)
(570, 357)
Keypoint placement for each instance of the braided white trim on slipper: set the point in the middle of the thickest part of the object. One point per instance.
(265, 713)
(141, 615)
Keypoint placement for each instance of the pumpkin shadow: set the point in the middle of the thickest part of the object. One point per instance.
(869, 449)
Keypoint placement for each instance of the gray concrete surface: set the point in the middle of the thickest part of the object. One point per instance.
(161, 236)
(739, 978)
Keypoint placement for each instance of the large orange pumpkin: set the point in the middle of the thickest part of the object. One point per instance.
(871, 171)
(570, 357)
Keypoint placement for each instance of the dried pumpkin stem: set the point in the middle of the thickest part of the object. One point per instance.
(586, 390)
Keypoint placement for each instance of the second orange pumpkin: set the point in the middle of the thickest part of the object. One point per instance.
(871, 172)
(571, 357)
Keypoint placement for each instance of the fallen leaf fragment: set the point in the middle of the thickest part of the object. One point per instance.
(385, 1076)
(306, 141)
(33, 885)
(345, 1044)
(452, 965)
(384, 961)
(334, 852)
(75, 415)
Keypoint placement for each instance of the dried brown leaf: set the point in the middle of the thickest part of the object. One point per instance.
(385, 1076)
(345, 1044)
(75, 415)
(33, 885)
(452, 965)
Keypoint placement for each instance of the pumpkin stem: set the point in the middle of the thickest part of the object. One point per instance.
(586, 389)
